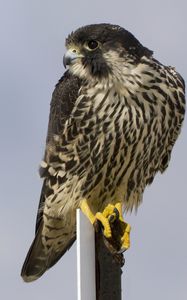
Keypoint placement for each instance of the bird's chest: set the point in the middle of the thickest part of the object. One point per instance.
(108, 117)
(110, 127)
(108, 131)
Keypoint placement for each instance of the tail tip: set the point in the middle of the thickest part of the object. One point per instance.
(29, 278)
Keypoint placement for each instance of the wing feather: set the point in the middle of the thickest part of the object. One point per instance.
(62, 103)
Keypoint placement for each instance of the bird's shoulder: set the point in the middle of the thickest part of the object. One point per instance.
(62, 102)
(66, 90)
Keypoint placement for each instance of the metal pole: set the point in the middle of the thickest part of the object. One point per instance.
(98, 266)
(85, 258)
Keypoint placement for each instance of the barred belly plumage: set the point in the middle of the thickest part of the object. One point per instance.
(123, 140)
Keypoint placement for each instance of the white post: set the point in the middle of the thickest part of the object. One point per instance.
(85, 258)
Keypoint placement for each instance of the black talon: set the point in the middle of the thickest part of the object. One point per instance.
(122, 250)
(116, 211)
(114, 216)
(111, 218)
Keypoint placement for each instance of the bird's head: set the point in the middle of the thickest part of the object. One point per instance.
(102, 50)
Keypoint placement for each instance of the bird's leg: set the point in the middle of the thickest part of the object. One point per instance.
(114, 213)
(111, 214)
(98, 216)
(125, 239)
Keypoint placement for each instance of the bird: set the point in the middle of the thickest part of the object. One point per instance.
(115, 116)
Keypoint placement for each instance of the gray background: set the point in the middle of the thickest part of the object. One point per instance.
(32, 47)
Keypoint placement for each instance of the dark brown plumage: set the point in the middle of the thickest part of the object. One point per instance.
(115, 116)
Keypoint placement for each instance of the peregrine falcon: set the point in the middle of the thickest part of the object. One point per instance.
(115, 116)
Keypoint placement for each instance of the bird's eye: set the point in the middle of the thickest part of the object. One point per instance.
(92, 45)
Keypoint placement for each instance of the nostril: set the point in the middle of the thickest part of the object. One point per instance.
(74, 51)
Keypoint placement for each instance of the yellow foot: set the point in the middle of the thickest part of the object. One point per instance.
(98, 216)
(125, 239)
(112, 214)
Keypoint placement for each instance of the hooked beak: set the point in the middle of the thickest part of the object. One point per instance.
(69, 57)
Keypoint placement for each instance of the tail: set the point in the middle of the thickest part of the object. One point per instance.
(40, 258)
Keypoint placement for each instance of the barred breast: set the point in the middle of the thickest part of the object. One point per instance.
(118, 138)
